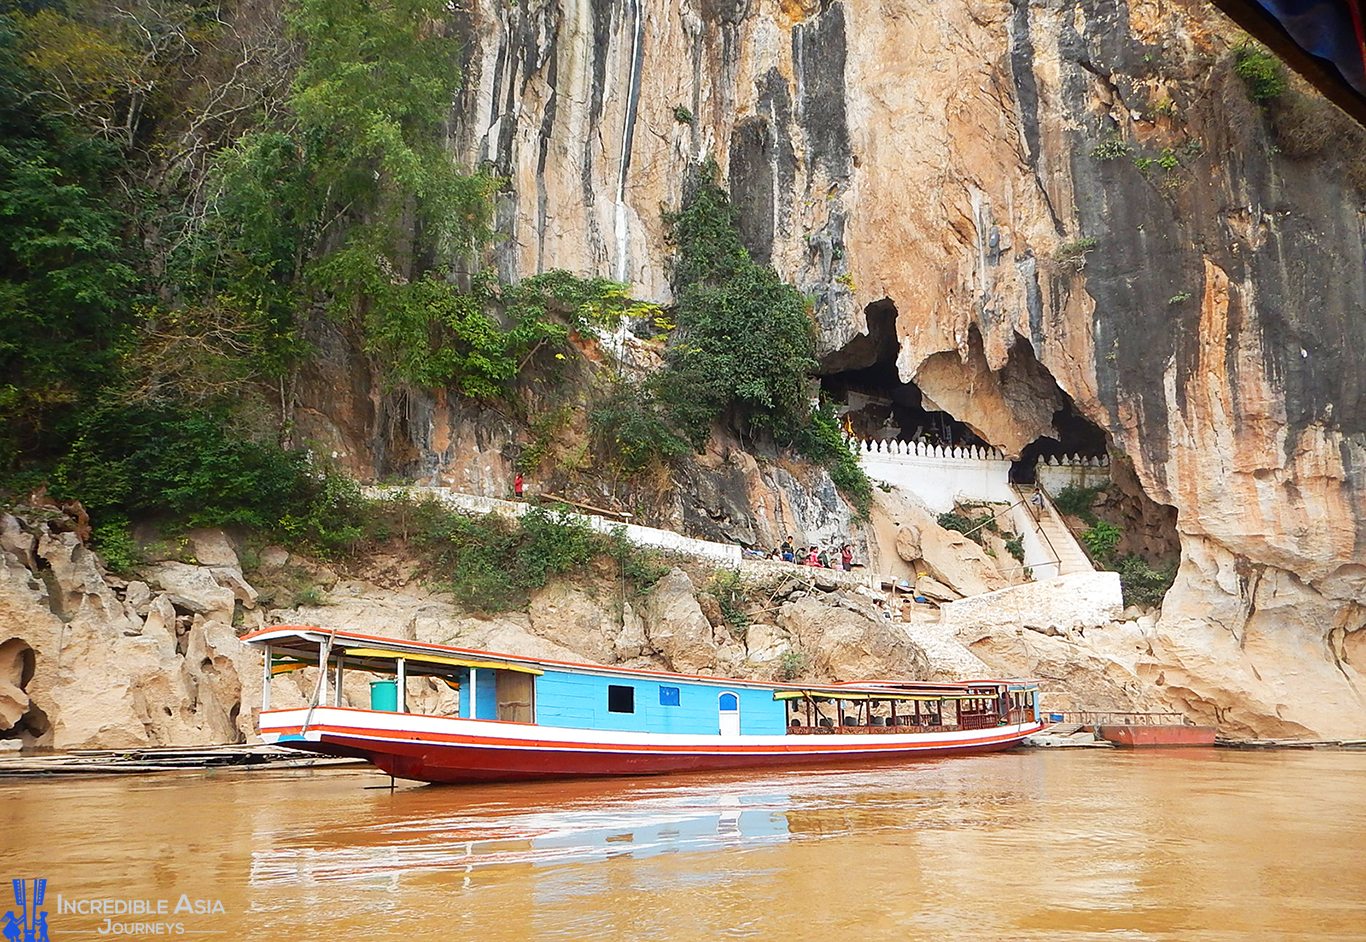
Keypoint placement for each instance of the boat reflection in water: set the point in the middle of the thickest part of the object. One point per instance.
(495, 835)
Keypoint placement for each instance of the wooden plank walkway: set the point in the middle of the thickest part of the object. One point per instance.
(166, 759)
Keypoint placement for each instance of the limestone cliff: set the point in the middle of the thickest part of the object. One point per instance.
(1081, 182)
(1028, 205)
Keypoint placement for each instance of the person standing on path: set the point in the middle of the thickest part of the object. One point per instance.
(517, 485)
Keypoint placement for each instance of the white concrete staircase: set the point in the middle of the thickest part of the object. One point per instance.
(1056, 539)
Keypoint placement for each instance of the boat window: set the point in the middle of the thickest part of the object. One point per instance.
(668, 696)
(730, 701)
(621, 699)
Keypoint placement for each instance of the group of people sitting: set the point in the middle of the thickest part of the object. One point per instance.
(842, 558)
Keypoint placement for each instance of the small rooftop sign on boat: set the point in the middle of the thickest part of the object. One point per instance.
(529, 718)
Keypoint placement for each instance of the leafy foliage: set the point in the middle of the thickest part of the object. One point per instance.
(65, 273)
(631, 429)
(821, 440)
(130, 461)
(1112, 148)
(971, 527)
(584, 302)
(1142, 583)
(741, 349)
(730, 589)
(1076, 249)
(792, 664)
(745, 341)
(113, 539)
(352, 196)
(1078, 501)
(491, 564)
(1015, 547)
(1260, 71)
(1101, 539)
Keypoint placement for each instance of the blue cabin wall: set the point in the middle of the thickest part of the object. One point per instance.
(580, 700)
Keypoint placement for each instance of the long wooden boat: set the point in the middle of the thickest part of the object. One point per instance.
(528, 718)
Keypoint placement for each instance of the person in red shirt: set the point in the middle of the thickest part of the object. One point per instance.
(517, 485)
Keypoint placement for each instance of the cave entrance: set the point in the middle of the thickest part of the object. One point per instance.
(1076, 435)
(876, 404)
(1019, 408)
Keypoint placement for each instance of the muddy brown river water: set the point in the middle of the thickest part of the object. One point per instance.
(1055, 845)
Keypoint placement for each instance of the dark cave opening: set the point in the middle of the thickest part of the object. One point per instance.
(862, 377)
(881, 407)
(877, 405)
(1077, 435)
(1019, 408)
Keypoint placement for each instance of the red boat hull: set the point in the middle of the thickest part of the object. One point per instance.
(1154, 737)
(450, 759)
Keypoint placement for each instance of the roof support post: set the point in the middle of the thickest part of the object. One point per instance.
(265, 682)
(402, 685)
(324, 655)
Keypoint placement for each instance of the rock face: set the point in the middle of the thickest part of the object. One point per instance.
(1084, 182)
(81, 667)
(1068, 191)
(845, 643)
(84, 664)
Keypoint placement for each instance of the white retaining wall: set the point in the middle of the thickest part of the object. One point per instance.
(1077, 600)
(1056, 473)
(940, 475)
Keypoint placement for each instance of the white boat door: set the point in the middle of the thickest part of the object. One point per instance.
(730, 714)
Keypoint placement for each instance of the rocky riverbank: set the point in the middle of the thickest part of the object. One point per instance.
(91, 660)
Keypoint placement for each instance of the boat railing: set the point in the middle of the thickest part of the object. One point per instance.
(900, 728)
(1119, 718)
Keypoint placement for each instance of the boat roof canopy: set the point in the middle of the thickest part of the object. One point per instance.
(303, 643)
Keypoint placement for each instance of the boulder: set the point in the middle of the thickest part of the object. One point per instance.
(1076, 677)
(631, 641)
(676, 627)
(908, 543)
(138, 596)
(15, 539)
(933, 589)
(959, 563)
(712, 609)
(273, 559)
(233, 581)
(845, 645)
(568, 616)
(212, 548)
(226, 675)
(160, 625)
(16, 670)
(766, 643)
(194, 589)
(80, 591)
